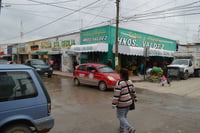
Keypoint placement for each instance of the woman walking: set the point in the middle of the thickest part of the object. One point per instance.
(122, 99)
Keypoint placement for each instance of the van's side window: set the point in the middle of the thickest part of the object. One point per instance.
(16, 85)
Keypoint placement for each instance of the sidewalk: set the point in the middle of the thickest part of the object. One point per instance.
(67, 74)
(187, 88)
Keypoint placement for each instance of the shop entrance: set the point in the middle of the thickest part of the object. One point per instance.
(56, 58)
(94, 57)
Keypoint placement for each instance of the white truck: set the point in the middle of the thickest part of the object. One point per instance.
(184, 65)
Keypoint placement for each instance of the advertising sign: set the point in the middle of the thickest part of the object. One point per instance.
(95, 35)
(138, 39)
(45, 45)
(56, 44)
(68, 43)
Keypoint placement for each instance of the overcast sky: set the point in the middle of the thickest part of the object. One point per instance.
(37, 19)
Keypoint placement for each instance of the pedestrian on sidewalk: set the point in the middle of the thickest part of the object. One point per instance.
(165, 74)
(122, 99)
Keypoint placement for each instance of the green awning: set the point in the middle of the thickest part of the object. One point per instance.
(5, 55)
(39, 53)
(53, 52)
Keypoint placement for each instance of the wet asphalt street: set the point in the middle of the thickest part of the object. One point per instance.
(85, 109)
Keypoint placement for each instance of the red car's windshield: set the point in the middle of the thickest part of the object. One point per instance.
(105, 69)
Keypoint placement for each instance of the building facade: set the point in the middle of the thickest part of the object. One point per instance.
(98, 45)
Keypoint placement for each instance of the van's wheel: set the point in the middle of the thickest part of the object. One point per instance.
(102, 86)
(76, 82)
(18, 128)
(186, 75)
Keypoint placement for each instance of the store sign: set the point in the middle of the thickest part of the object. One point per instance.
(45, 45)
(68, 43)
(56, 44)
(95, 35)
(34, 47)
(127, 41)
(126, 37)
(138, 39)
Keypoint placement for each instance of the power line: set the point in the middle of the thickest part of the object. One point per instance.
(59, 2)
(161, 17)
(98, 13)
(159, 6)
(181, 8)
(167, 13)
(139, 6)
(42, 26)
(165, 10)
(66, 8)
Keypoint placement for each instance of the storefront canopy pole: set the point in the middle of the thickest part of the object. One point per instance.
(116, 40)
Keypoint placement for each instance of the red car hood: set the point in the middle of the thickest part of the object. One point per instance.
(114, 75)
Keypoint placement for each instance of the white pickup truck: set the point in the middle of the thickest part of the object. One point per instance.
(184, 65)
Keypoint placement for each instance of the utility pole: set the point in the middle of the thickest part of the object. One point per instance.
(198, 38)
(116, 40)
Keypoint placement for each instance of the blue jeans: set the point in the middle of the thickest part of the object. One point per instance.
(122, 116)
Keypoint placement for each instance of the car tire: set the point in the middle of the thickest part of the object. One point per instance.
(49, 76)
(76, 82)
(186, 75)
(102, 86)
(22, 128)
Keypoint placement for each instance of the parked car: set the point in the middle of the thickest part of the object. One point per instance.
(25, 105)
(96, 74)
(40, 66)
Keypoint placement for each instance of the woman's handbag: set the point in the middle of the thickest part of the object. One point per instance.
(132, 106)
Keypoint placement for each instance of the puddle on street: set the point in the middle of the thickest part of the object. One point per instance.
(63, 91)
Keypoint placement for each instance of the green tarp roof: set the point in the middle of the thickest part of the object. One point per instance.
(39, 53)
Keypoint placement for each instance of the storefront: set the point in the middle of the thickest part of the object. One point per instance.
(69, 58)
(98, 45)
(23, 53)
(5, 53)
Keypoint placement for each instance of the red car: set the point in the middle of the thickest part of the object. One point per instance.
(95, 74)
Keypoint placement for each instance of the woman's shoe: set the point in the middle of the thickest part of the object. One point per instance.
(132, 130)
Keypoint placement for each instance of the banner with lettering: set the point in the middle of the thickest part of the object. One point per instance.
(95, 35)
(56, 44)
(67, 43)
(45, 45)
(107, 34)
(138, 39)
